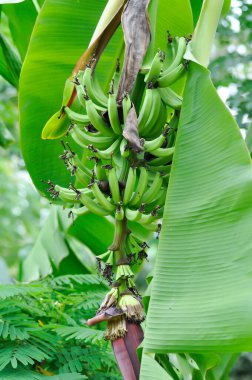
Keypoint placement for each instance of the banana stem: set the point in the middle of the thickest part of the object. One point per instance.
(120, 236)
(205, 30)
(109, 12)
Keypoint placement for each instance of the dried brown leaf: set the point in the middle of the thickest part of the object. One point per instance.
(137, 34)
(130, 131)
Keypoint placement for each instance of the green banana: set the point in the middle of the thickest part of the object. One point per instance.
(69, 195)
(172, 76)
(97, 120)
(83, 139)
(77, 162)
(124, 170)
(141, 187)
(82, 92)
(179, 55)
(144, 130)
(79, 88)
(153, 227)
(165, 169)
(93, 206)
(158, 201)
(153, 190)
(116, 77)
(126, 104)
(119, 214)
(170, 52)
(174, 121)
(100, 172)
(124, 150)
(156, 143)
(107, 153)
(93, 88)
(82, 177)
(170, 98)
(148, 218)
(163, 152)
(133, 215)
(158, 127)
(76, 117)
(130, 186)
(145, 109)
(101, 199)
(80, 211)
(137, 245)
(104, 256)
(123, 272)
(159, 161)
(114, 185)
(113, 114)
(156, 67)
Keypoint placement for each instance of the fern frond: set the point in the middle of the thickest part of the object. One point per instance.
(80, 333)
(12, 290)
(10, 374)
(81, 279)
(15, 353)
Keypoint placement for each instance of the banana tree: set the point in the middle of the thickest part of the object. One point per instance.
(151, 147)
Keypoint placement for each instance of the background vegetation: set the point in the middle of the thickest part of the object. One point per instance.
(23, 211)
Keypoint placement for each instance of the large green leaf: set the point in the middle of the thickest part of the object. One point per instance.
(151, 370)
(62, 33)
(66, 247)
(201, 291)
(174, 16)
(10, 64)
(21, 19)
(197, 4)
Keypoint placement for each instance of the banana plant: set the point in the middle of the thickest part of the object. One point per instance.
(147, 143)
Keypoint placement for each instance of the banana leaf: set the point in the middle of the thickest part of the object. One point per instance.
(201, 299)
(61, 35)
(197, 4)
(10, 64)
(21, 27)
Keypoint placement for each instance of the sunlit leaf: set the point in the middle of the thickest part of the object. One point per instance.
(197, 4)
(174, 16)
(151, 370)
(61, 35)
(202, 279)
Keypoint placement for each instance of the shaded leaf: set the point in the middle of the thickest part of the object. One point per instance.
(10, 64)
(87, 229)
(21, 27)
(6, 138)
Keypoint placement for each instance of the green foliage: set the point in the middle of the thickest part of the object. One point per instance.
(231, 64)
(41, 95)
(43, 331)
(10, 65)
(21, 27)
(211, 160)
(64, 246)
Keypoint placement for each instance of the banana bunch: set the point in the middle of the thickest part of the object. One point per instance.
(116, 180)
